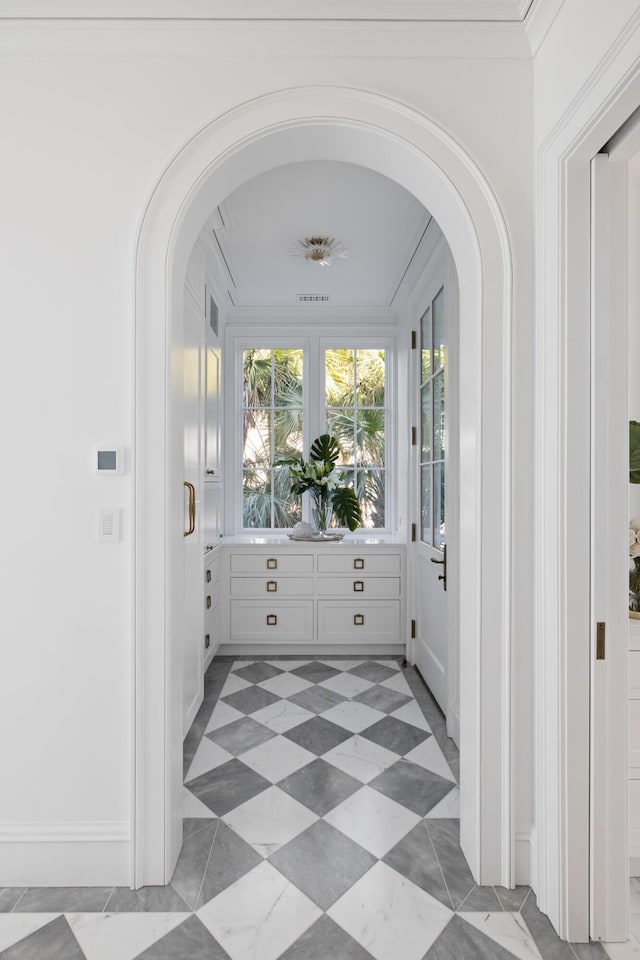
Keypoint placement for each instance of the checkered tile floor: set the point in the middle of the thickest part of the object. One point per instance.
(321, 821)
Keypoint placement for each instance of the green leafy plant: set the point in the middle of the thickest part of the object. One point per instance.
(634, 451)
(318, 477)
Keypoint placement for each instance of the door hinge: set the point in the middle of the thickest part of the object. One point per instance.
(413, 629)
(414, 339)
(414, 532)
(414, 436)
(600, 640)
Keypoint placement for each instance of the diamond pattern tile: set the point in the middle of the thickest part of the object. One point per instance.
(322, 824)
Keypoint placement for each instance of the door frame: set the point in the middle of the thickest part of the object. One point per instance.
(367, 129)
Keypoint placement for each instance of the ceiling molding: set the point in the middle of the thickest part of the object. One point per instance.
(372, 10)
(539, 20)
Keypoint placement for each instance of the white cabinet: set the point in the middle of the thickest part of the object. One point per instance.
(345, 595)
(212, 605)
(634, 747)
(212, 412)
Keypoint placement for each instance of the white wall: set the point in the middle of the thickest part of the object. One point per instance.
(92, 116)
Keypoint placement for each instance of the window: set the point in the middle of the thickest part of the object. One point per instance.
(272, 425)
(432, 403)
(289, 394)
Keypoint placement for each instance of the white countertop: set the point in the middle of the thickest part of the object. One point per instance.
(281, 540)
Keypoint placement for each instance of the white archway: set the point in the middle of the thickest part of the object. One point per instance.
(390, 138)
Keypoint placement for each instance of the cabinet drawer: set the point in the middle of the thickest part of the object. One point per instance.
(271, 586)
(634, 674)
(373, 588)
(372, 621)
(212, 593)
(359, 562)
(257, 620)
(271, 563)
(211, 628)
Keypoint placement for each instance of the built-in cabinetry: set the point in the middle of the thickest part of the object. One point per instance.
(634, 747)
(331, 595)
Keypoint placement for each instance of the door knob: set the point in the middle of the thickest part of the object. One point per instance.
(443, 575)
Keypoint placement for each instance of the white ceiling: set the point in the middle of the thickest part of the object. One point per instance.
(379, 222)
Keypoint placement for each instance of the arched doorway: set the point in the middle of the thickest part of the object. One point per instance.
(371, 131)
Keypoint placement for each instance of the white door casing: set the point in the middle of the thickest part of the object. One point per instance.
(364, 128)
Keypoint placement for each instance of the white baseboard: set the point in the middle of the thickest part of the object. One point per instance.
(85, 854)
(453, 723)
(192, 711)
(526, 856)
(313, 650)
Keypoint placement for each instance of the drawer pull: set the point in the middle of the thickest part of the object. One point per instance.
(207, 641)
(358, 563)
(272, 586)
(272, 563)
(358, 586)
(272, 620)
(208, 603)
(358, 619)
(208, 576)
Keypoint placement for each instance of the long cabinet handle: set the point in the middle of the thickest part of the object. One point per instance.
(192, 508)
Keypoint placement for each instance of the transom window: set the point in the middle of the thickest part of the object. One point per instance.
(432, 402)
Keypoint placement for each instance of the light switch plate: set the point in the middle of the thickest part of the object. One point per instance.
(108, 525)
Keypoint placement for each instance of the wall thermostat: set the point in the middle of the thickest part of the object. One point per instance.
(109, 460)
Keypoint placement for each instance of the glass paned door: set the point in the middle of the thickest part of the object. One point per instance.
(432, 423)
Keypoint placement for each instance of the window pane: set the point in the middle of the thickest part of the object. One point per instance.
(287, 507)
(257, 378)
(256, 497)
(287, 378)
(371, 490)
(370, 437)
(426, 422)
(340, 424)
(370, 377)
(438, 416)
(438, 331)
(439, 536)
(425, 496)
(425, 344)
(339, 377)
(257, 437)
(287, 433)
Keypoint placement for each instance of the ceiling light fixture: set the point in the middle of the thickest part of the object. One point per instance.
(322, 250)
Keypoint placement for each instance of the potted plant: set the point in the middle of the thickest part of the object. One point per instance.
(318, 477)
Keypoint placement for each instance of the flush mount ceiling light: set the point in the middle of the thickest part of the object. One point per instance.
(322, 250)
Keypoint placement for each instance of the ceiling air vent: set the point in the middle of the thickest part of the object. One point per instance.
(312, 297)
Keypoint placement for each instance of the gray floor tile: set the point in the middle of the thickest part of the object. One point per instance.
(412, 786)
(54, 941)
(227, 786)
(590, 951)
(317, 699)
(189, 941)
(9, 896)
(323, 941)
(320, 786)
(241, 735)
(448, 825)
(63, 900)
(481, 899)
(546, 939)
(192, 863)
(382, 698)
(395, 735)
(192, 825)
(230, 859)
(461, 941)
(323, 863)
(256, 672)
(512, 900)
(414, 857)
(146, 900)
(315, 672)
(250, 699)
(318, 735)
(369, 670)
(456, 871)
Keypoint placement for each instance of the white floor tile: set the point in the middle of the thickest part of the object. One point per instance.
(634, 896)
(429, 755)
(623, 951)
(361, 758)
(372, 820)
(353, 716)
(222, 714)
(259, 916)
(287, 664)
(192, 807)
(507, 929)
(233, 684)
(277, 758)
(105, 936)
(347, 684)
(282, 716)
(411, 713)
(239, 664)
(17, 926)
(208, 756)
(448, 807)
(285, 684)
(389, 916)
(270, 820)
(343, 664)
(392, 664)
(398, 683)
